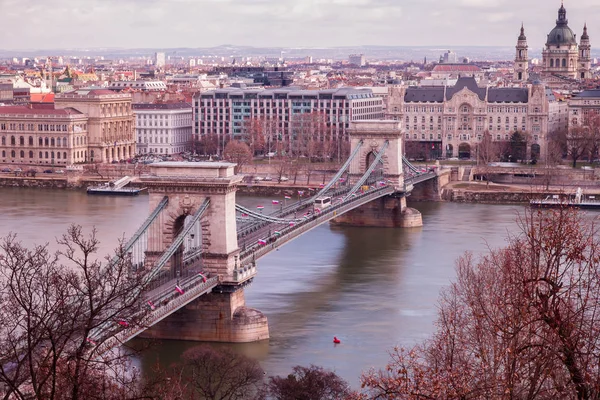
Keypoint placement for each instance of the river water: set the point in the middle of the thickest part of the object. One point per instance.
(372, 288)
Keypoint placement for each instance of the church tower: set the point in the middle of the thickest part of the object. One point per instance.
(585, 61)
(521, 66)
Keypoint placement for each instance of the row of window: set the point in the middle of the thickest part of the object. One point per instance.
(468, 109)
(48, 142)
(40, 127)
(41, 154)
(463, 136)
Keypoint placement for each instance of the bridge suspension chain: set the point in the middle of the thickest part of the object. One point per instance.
(262, 217)
(363, 179)
(341, 171)
(142, 230)
(411, 167)
(156, 269)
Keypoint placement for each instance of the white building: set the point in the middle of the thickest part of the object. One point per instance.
(159, 60)
(141, 85)
(357, 59)
(163, 128)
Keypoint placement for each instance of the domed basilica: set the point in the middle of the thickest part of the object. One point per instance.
(562, 57)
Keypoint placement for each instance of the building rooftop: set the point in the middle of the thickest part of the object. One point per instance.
(588, 93)
(161, 106)
(436, 94)
(38, 110)
(456, 68)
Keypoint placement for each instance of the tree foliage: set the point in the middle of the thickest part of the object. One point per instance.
(237, 152)
(521, 322)
(220, 374)
(308, 383)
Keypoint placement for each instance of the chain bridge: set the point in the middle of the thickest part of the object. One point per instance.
(198, 249)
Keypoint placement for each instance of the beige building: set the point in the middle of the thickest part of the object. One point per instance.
(111, 123)
(563, 58)
(42, 135)
(584, 105)
(450, 121)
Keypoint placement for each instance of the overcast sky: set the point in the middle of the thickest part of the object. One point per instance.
(43, 24)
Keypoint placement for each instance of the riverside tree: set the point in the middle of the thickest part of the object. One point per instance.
(521, 322)
(237, 152)
(309, 383)
(50, 306)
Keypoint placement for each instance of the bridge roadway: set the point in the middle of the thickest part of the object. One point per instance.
(250, 233)
(252, 250)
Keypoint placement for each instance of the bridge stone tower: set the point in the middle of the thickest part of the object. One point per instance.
(220, 316)
(390, 211)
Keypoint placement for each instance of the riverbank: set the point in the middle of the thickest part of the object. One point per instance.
(458, 191)
(495, 193)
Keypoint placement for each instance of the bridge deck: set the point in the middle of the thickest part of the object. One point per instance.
(166, 304)
(287, 233)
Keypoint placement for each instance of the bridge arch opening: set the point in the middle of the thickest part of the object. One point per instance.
(186, 258)
(464, 150)
(370, 158)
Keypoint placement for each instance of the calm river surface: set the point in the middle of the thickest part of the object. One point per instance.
(372, 288)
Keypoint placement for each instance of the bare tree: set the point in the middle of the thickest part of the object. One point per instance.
(487, 152)
(309, 383)
(51, 305)
(239, 153)
(220, 375)
(521, 322)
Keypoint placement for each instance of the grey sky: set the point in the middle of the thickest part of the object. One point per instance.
(42, 24)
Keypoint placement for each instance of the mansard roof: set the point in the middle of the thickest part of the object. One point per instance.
(508, 95)
(588, 93)
(465, 82)
(431, 94)
(435, 94)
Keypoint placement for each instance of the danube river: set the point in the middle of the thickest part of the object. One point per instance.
(372, 288)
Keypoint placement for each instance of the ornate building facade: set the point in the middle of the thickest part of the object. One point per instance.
(42, 135)
(562, 57)
(111, 122)
(450, 121)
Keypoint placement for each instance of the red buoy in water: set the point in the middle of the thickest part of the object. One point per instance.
(336, 340)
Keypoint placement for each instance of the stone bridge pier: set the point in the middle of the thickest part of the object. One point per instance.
(221, 316)
(389, 211)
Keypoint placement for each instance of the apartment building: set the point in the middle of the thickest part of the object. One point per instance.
(163, 128)
(224, 111)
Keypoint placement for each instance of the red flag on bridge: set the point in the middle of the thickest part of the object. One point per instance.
(178, 289)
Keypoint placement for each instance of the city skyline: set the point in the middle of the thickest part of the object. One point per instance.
(282, 23)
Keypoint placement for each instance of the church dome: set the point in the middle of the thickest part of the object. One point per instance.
(561, 34)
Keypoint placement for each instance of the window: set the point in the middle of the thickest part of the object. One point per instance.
(22, 154)
(31, 140)
(30, 154)
(12, 141)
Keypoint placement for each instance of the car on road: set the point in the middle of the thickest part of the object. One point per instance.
(48, 171)
(59, 171)
(268, 178)
(18, 170)
(284, 179)
(258, 178)
(6, 170)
